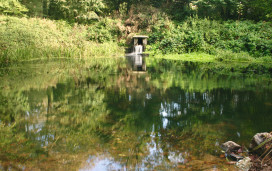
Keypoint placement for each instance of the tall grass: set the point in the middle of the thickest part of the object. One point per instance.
(33, 38)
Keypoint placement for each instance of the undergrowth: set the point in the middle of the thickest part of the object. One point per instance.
(31, 38)
(212, 37)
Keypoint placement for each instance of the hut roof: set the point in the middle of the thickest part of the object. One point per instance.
(140, 36)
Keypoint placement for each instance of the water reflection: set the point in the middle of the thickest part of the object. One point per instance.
(137, 62)
(106, 118)
(101, 163)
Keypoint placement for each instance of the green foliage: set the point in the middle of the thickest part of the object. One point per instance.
(30, 38)
(35, 7)
(179, 9)
(219, 9)
(88, 11)
(123, 9)
(24, 39)
(227, 55)
(206, 36)
(142, 17)
(12, 7)
(259, 9)
(103, 31)
(84, 11)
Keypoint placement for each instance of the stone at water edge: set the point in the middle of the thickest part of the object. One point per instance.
(231, 150)
(234, 156)
(258, 139)
(244, 164)
(230, 146)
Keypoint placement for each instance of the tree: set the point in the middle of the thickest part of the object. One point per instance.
(74, 10)
(35, 7)
(12, 7)
(259, 9)
(218, 9)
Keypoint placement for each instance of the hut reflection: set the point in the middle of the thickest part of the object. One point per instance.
(137, 62)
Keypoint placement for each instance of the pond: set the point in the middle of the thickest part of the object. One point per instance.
(108, 114)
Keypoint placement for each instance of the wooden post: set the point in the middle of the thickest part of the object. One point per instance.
(135, 41)
(145, 42)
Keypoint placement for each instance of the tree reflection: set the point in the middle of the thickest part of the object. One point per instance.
(172, 116)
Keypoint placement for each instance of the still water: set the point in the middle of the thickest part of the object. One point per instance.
(126, 114)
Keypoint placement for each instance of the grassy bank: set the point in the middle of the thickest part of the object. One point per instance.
(34, 38)
(190, 57)
(224, 63)
(224, 56)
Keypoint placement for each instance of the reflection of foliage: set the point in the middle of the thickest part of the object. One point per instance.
(174, 109)
(204, 76)
(12, 104)
(15, 146)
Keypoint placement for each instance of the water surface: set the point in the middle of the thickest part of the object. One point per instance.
(109, 114)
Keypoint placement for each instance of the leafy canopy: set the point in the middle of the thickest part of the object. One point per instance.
(12, 7)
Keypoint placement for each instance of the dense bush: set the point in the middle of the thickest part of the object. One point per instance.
(86, 11)
(23, 39)
(12, 7)
(83, 11)
(104, 31)
(207, 36)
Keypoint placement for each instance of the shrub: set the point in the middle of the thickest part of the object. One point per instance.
(12, 7)
(104, 31)
(33, 38)
(206, 36)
